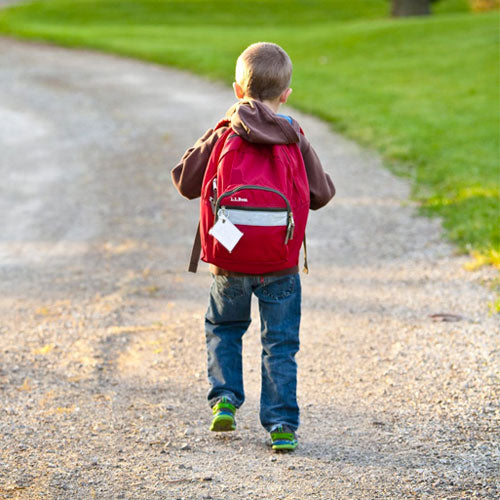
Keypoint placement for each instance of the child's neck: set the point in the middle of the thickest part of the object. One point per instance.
(274, 105)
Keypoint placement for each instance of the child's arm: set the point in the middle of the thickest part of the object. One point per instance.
(187, 176)
(321, 187)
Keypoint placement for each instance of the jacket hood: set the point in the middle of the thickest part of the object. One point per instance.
(255, 122)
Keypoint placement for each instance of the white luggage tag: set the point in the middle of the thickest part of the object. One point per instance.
(225, 232)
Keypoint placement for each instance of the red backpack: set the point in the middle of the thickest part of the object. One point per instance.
(262, 189)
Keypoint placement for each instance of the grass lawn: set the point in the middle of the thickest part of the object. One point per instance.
(422, 91)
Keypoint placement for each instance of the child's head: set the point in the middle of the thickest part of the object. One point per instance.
(263, 72)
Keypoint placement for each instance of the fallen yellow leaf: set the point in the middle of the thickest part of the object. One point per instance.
(42, 311)
(26, 385)
(479, 259)
(45, 349)
(67, 409)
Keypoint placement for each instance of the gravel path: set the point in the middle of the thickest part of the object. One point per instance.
(102, 361)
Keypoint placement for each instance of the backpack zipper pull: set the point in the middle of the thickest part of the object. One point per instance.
(213, 198)
(222, 213)
(290, 228)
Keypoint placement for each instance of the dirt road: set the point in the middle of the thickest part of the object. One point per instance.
(102, 363)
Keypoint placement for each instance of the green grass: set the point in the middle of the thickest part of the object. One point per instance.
(422, 91)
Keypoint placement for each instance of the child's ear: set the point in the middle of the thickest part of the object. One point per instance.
(238, 91)
(285, 95)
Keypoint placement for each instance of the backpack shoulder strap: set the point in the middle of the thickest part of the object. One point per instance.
(196, 250)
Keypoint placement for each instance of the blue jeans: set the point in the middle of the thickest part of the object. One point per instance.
(226, 321)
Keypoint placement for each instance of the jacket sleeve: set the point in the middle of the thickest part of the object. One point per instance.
(321, 187)
(187, 176)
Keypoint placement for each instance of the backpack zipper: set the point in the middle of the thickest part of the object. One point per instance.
(250, 209)
(258, 188)
(290, 221)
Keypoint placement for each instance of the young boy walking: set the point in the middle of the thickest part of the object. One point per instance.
(263, 76)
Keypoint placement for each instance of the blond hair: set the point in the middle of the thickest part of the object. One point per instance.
(263, 71)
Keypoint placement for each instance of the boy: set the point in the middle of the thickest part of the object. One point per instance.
(263, 75)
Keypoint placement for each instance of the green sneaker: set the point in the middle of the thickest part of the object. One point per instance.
(223, 420)
(283, 439)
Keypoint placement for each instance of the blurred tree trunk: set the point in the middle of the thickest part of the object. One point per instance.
(401, 8)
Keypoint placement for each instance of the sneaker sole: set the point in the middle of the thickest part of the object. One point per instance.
(285, 446)
(223, 423)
